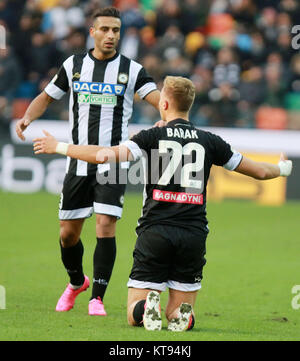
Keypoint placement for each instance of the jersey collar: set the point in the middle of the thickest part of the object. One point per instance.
(102, 61)
(179, 121)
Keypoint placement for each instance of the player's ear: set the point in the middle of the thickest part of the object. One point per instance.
(92, 31)
(165, 105)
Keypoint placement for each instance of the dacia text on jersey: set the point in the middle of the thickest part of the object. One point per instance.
(98, 88)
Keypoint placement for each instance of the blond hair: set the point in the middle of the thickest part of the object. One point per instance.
(181, 90)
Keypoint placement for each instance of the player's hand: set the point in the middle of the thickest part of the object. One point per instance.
(285, 166)
(45, 145)
(160, 123)
(21, 126)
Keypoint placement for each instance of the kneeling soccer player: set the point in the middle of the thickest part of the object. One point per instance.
(170, 248)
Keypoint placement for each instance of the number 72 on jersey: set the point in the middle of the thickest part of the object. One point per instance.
(178, 159)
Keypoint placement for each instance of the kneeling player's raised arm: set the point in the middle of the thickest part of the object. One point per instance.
(264, 170)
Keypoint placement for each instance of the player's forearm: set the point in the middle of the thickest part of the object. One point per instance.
(264, 170)
(268, 171)
(87, 153)
(260, 170)
(94, 153)
(38, 106)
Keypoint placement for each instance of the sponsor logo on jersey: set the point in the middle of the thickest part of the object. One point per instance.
(97, 99)
(177, 197)
(98, 88)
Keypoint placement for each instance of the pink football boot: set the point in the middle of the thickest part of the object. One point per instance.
(67, 299)
(96, 307)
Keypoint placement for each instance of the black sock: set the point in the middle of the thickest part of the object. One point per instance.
(104, 259)
(138, 312)
(72, 260)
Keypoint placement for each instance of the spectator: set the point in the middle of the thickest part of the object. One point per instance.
(131, 15)
(294, 83)
(243, 11)
(224, 100)
(168, 14)
(74, 43)
(177, 65)
(252, 87)
(258, 51)
(275, 88)
(63, 18)
(237, 52)
(193, 13)
(21, 42)
(10, 74)
(10, 12)
(284, 46)
(227, 69)
(252, 94)
(130, 43)
(152, 63)
(172, 42)
(43, 55)
(201, 112)
(147, 41)
(291, 7)
(268, 26)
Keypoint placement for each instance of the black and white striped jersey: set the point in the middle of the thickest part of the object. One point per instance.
(101, 101)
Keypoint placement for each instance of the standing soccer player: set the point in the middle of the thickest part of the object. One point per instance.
(170, 248)
(102, 86)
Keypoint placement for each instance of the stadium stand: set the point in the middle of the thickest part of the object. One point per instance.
(237, 52)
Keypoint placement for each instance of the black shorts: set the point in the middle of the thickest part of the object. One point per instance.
(82, 196)
(168, 256)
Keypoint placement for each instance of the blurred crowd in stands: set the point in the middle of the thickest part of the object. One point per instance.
(237, 52)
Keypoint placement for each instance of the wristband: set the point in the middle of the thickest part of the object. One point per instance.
(62, 148)
(285, 167)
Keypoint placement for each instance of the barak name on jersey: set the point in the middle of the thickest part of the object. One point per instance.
(182, 133)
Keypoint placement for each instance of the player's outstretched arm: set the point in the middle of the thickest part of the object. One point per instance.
(264, 170)
(36, 108)
(89, 153)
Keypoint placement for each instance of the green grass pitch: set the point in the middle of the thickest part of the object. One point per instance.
(252, 266)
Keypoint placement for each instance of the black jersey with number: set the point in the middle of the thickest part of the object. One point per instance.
(101, 100)
(178, 159)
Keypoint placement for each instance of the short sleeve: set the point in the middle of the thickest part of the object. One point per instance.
(234, 161)
(144, 84)
(59, 85)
